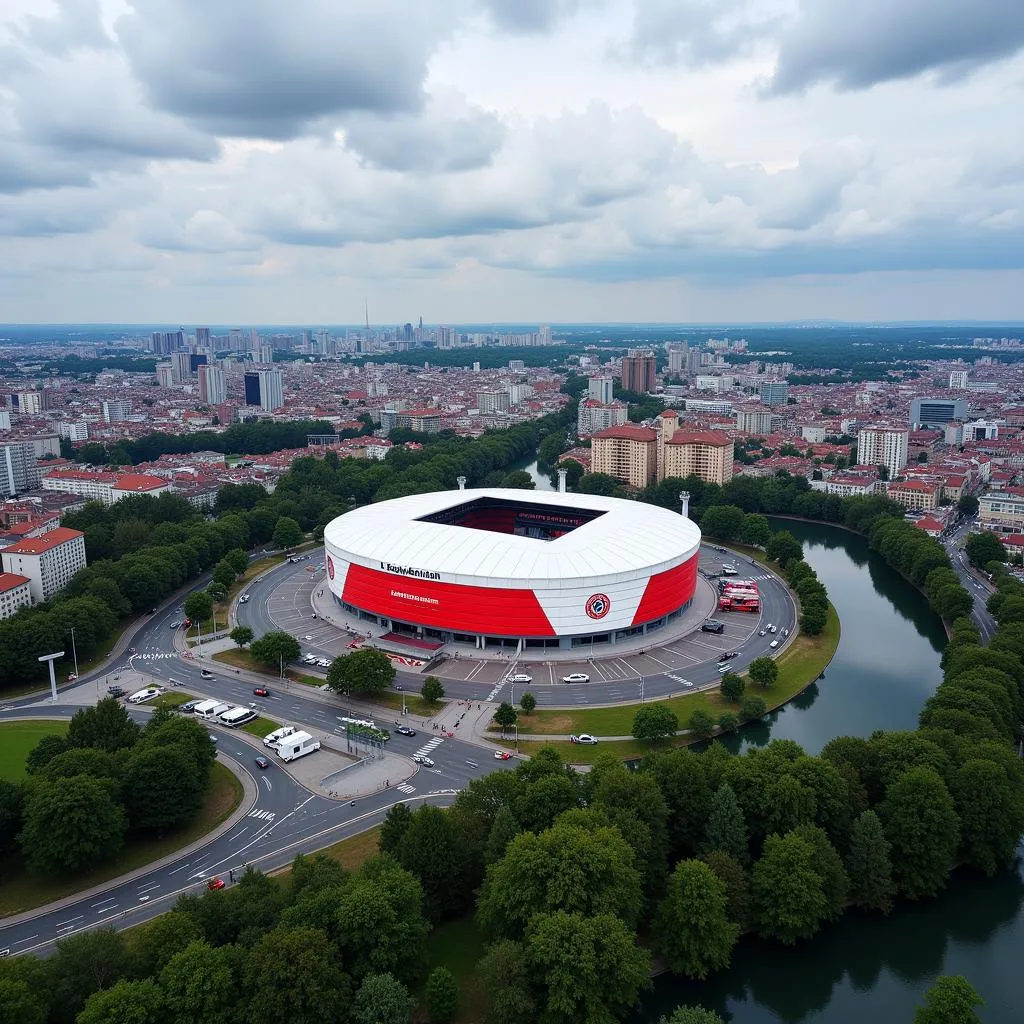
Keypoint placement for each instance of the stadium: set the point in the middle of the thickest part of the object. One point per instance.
(485, 566)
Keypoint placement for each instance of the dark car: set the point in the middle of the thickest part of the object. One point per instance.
(115, 691)
(260, 691)
(713, 626)
(730, 654)
(404, 730)
(262, 762)
(152, 611)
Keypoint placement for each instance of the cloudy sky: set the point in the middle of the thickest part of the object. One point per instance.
(495, 160)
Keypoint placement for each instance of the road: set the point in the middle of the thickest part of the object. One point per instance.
(281, 600)
(978, 588)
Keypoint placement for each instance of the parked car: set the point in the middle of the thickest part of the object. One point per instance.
(576, 677)
(712, 626)
(189, 706)
(308, 639)
(423, 760)
(206, 673)
(323, 663)
(584, 737)
(520, 677)
(501, 755)
(262, 762)
(115, 691)
(730, 654)
(214, 883)
(260, 691)
(404, 730)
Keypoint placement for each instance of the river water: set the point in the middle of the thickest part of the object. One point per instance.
(867, 968)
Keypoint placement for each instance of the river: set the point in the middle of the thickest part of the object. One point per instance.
(867, 968)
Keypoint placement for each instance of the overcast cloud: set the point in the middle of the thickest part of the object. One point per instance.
(488, 160)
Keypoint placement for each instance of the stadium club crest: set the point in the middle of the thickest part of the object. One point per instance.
(330, 567)
(598, 606)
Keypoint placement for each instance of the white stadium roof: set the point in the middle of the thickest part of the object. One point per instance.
(630, 537)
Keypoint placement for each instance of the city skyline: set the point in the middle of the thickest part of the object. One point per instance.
(478, 161)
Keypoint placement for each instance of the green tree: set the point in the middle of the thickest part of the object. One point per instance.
(737, 888)
(71, 825)
(237, 559)
(223, 575)
(153, 945)
(701, 724)
(166, 787)
(275, 649)
(217, 592)
(784, 548)
(12, 806)
(314, 872)
(433, 851)
(692, 932)
(752, 708)
(691, 1015)
(199, 606)
(763, 671)
(83, 964)
(241, 635)
(726, 828)
(722, 521)
(506, 716)
(869, 866)
(984, 547)
(520, 480)
(789, 902)
(200, 985)
(728, 722)
(44, 752)
(967, 505)
(382, 999)
(432, 690)
(828, 864)
(302, 963)
(654, 722)
(528, 702)
(951, 1000)
(19, 1004)
(755, 531)
(127, 1002)
(732, 686)
(504, 974)
(442, 996)
(568, 867)
(991, 811)
(589, 968)
(105, 726)
(393, 828)
(923, 829)
(813, 619)
(504, 829)
(362, 671)
(287, 533)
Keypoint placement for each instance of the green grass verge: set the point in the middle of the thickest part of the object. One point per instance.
(260, 726)
(459, 945)
(413, 701)
(172, 699)
(351, 853)
(16, 741)
(799, 665)
(21, 890)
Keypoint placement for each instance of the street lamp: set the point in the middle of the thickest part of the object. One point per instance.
(51, 658)
(74, 650)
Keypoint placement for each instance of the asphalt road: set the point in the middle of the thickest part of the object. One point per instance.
(280, 600)
(978, 588)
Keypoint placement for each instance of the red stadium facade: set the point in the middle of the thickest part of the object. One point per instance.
(547, 569)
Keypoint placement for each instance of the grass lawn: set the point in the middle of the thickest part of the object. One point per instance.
(260, 726)
(17, 739)
(172, 699)
(21, 890)
(802, 662)
(413, 701)
(459, 945)
(354, 852)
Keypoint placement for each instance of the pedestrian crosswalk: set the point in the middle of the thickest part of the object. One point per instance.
(428, 747)
(262, 815)
(679, 679)
(758, 579)
(405, 788)
(155, 655)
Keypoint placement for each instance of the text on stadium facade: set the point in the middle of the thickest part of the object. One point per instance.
(406, 570)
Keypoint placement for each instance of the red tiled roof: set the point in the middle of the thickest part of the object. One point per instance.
(715, 438)
(10, 580)
(81, 474)
(139, 482)
(628, 433)
(48, 541)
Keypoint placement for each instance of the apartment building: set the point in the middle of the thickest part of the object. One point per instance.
(15, 593)
(628, 453)
(19, 470)
(916, 494)
(103, 486)
(704, 453)
(638, 371)
(1001, 512)
(47, 562)
(754, 421)
(883, 446)
(593, 416)
(774, 392)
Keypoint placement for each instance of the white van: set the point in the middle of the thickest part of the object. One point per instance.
(211, 709)
(237, 716)
(297, 745)
(272, 738)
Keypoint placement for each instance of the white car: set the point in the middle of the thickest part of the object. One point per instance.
(774, 643)
(423, 760)
(308, 639)
(520, 677)
(773, 629)
(576, 677)
(584, 737)
(323, 663)
(140, 696)
(763, 632)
